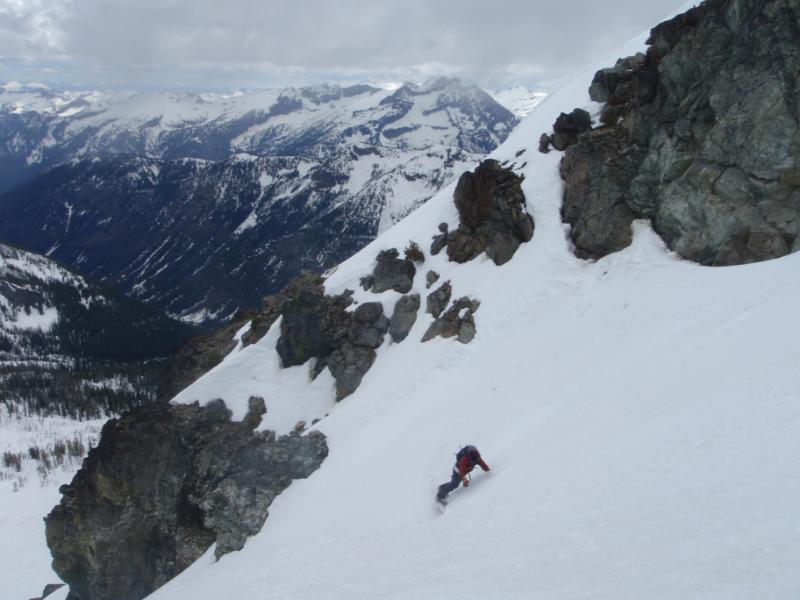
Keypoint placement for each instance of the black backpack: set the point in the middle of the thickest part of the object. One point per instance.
(469, 451)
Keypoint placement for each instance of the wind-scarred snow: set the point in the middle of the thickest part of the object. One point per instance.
(640, 413)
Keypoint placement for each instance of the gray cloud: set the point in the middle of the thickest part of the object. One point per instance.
(248, 42)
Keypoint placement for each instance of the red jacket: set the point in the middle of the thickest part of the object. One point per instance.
(465, 465)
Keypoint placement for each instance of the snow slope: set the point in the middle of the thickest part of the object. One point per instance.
(640, 413)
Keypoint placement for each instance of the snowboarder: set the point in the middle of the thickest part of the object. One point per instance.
(466, 460)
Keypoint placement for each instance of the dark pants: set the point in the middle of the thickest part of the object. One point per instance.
(448, 487)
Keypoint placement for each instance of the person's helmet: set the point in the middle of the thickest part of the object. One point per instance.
(474, 455)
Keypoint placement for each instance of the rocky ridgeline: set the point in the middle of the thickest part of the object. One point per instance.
(164, 483)
(700, 135)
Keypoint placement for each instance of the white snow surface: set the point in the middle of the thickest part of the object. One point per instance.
(519, 100)
(28, 495)
(641, 415)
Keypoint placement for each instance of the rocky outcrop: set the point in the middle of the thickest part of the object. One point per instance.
(566, 130)
(404, 317)
(203, 353)
(431, 277)
(458, 321)
(163, 484)
(313, 326)
(438, 299)
(492, 216)
(701, 135)
(319, 326)
(350, 361)
(391, 273)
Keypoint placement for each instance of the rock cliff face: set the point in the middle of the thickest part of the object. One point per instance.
(700, 135)
(165, 483)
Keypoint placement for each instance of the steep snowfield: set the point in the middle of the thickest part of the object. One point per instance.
(28, 495)
(640, 413)
(519, 100)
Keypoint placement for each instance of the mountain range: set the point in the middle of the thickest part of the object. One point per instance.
(200, 204)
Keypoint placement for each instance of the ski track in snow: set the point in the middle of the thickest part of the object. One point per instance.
(640, 414)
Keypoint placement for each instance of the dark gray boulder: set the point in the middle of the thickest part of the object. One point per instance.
(701, 136)
(163, 484)
(440, 240)
(430, 278)
(202, 353)
(568, 127)
(313, 325)
(391, 273)
(599, 176)
(438, 299)
(492, 215)
(404, 317)
(318, 326)
(348, 365)
(368, 326)
(458, 321)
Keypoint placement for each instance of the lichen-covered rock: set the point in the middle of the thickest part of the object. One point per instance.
(438, 299)
(458, 321)
(702, 136)
(600, 173)
(404, 317)
(163, 484)
(391, 273)
(492, 215)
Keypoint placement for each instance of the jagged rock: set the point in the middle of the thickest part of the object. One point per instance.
(392, 273)
(430, 278)
(492, 215)
(203, 353)
(440, 240)
(404, 316)
(313, 325)
(458, 321)
(368, 326)
(544, 143)
(366, 282)
(568, 127)
(438, 299)
(348, 365)
(318, 326)
(595, 206)
(701, 137)
(163, 484)
(256, 409)
(632, 79)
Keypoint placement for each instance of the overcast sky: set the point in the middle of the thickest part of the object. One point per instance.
(228, 44)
